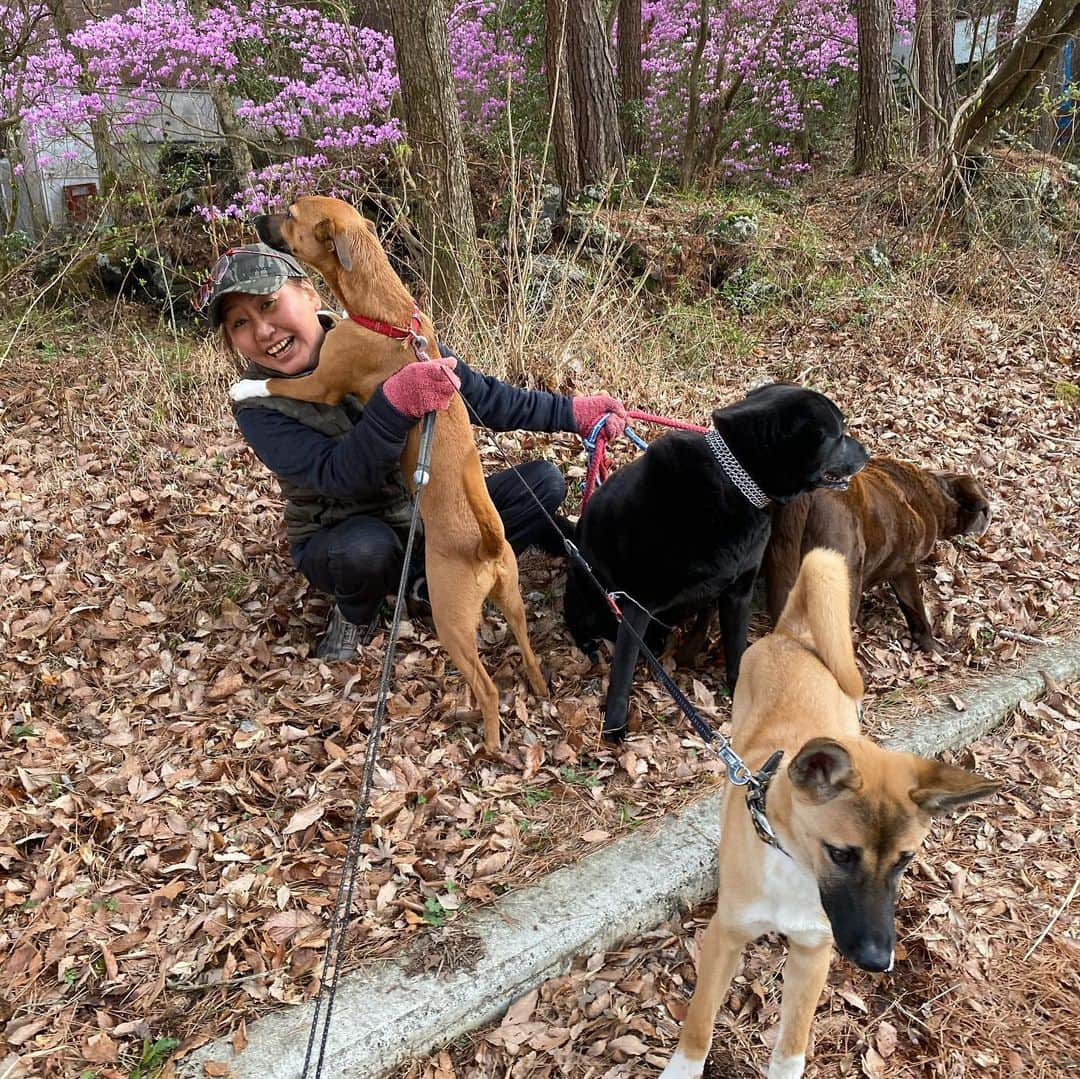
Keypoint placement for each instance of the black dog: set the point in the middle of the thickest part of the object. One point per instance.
(682, 529)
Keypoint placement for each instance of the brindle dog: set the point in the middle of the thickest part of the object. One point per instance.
(885, 524)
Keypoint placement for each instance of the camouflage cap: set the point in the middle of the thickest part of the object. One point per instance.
(254, 269)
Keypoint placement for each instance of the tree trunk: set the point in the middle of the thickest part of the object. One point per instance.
(944, 26)
(104, 152)
(631, 76)
(236, 145)
(443, 208)
(980, 116)
(693, 113)
(592, 92)
(1006, 23)
(563, 136)
(717, 114)
(1045, 134)
(240, 162)
(927, 104)
(874, 21)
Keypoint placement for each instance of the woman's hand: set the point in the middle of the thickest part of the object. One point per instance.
(588, 410)
(422, 387)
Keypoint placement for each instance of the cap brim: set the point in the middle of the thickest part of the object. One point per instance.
(260, 285)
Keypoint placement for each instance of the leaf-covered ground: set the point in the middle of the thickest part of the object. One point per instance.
(986, 980)
(178, 773)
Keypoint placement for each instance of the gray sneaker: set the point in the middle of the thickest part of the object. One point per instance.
(418, 601)
(341, 638)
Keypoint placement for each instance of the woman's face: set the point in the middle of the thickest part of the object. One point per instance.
(281, 330)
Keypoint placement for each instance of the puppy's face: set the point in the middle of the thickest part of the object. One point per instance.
(969, 502)
(322, 232)
(791, 440)
(858, 823)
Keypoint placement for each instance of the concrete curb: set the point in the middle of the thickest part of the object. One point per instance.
(383, 1016)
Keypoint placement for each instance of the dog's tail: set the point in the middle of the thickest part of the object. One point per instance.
(817, 613)
(492, 534)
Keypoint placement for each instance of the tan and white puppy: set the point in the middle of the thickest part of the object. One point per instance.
(848, 814)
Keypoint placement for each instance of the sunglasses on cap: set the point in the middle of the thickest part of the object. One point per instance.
(221, 268)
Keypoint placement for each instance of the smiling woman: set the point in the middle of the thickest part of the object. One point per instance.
(347, 508)
(281, 331)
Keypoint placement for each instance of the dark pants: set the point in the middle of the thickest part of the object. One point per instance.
(359, 561)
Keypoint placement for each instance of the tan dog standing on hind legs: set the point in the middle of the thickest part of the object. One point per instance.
(848, 814)
(467, 557)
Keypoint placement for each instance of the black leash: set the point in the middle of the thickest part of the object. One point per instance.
(756, 783)
(739, 774)
(339, 922)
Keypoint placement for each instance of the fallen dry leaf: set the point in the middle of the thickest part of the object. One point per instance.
(303, 818)
(885, 1039)
(225, 686)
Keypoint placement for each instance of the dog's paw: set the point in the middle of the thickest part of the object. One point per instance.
(590, 649)
(781, 1067)
(247, 388)
(614, 736)
(682, 1067)
(925, 643)
(491, 753)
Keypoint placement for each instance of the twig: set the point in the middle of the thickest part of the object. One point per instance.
(906, 1012)
(1053, 438)
(196, 987)
(944, 993)
(1050, 924)
(1016, 635)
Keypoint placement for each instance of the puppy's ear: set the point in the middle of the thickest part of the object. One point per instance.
(326, 233)
(822, 770)
(370, 226)
(943, 788)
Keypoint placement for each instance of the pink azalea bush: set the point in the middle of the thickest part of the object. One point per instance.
(319, 93)
(322, 88)
(778, 55)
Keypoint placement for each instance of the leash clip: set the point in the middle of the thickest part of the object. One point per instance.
(422, 472)
(738, 773)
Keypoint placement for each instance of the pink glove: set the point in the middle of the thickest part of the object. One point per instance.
(421, 387)
(587, 410)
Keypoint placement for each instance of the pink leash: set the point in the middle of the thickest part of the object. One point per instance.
(596, 444)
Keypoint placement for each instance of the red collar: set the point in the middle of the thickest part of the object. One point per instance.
(413, 333)
(398, 333)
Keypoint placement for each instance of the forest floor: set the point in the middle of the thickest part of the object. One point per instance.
(987, 978)
(178, 772)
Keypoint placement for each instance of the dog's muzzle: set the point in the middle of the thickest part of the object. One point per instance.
(268, 229)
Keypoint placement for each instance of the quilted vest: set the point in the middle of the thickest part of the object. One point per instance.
(308, 511)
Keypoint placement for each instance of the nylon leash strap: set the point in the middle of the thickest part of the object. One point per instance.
(339, 922)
